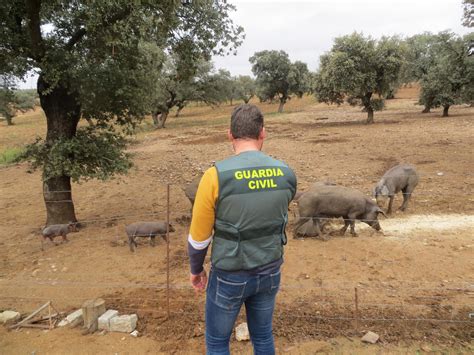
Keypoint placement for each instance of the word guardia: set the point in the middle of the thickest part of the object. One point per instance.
(264, 176)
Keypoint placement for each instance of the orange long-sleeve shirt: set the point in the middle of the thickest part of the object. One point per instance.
(202, 223)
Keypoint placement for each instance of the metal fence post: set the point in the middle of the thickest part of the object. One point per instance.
(168, 250)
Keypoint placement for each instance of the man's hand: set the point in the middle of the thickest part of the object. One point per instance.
(199, 281)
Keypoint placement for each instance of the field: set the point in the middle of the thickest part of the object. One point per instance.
(414, 281)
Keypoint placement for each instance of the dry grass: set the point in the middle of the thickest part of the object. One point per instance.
(33, 123)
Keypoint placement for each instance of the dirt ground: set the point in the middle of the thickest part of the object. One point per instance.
(414, 281)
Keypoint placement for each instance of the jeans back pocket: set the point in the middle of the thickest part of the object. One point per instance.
(229, 294)
(275, 280)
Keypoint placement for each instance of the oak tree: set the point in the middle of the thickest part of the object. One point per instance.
(93, 59)
(359, 69)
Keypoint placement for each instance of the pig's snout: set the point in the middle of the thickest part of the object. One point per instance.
(376, 226)
(381, 200)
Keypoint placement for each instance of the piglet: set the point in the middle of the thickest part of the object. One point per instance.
(146, 229)
(54, 230)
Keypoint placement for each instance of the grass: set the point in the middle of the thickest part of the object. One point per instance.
(9, 155)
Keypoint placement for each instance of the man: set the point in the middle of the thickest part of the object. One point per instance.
(244, 199)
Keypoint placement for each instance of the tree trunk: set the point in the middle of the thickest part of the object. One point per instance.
(445, 110)
(62, 116)
(370, 115)
(367, 105)
(154, 116)
(57, 194)
(179, 111)
(9, 120)
(282, 103)
(162, 120)
(91, 311)
(428, 105)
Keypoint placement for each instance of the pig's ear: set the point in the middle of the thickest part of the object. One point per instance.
(297, 196)
(385, 191)
(379, 210)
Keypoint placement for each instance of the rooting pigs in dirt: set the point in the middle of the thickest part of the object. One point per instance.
(413, 280)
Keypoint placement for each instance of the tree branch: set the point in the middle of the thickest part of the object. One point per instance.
(33, 8)
(76, 37)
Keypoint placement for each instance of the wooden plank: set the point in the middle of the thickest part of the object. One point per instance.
(29, 325)
(28, 319)
(44, 318)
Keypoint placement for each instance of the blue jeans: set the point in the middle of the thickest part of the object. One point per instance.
(226, 292)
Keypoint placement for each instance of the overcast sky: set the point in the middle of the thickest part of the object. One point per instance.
(306, 29)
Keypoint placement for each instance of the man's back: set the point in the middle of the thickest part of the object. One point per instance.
(251, 211)
(241, 207)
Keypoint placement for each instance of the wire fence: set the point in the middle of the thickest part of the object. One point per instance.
(185, 305)
(348, 301)
(347, 178)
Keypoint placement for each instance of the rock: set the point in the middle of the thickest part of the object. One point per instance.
(242, 332)
(370, 337)
(198, 331)
(9, 317)
(63, 322)
(426, 348)
(135, 333)
(440, 173)
(125, 324)
(73, 319)
(104, 319)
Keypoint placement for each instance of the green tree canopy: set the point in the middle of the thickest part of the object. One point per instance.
(468, 13)
(449, 79)
(356, 69)
(420, 53)
(276, 76)
(299, 79)
(13, 100)
(245, 88)
(224, 86)
(7, 98)
(93, 59)
(172, 88)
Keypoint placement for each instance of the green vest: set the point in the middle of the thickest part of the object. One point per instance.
(251, 211)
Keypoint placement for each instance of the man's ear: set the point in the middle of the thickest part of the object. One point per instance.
(229, 135)
(263, 133)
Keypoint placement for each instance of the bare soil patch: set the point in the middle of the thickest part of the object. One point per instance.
(216, 138)
(329, 140)
(414, 282)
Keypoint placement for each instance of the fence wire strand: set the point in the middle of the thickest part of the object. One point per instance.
(323, 290)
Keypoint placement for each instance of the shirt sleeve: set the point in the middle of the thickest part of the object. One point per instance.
(202, 223)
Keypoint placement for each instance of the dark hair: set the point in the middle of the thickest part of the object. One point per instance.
(246, 122)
